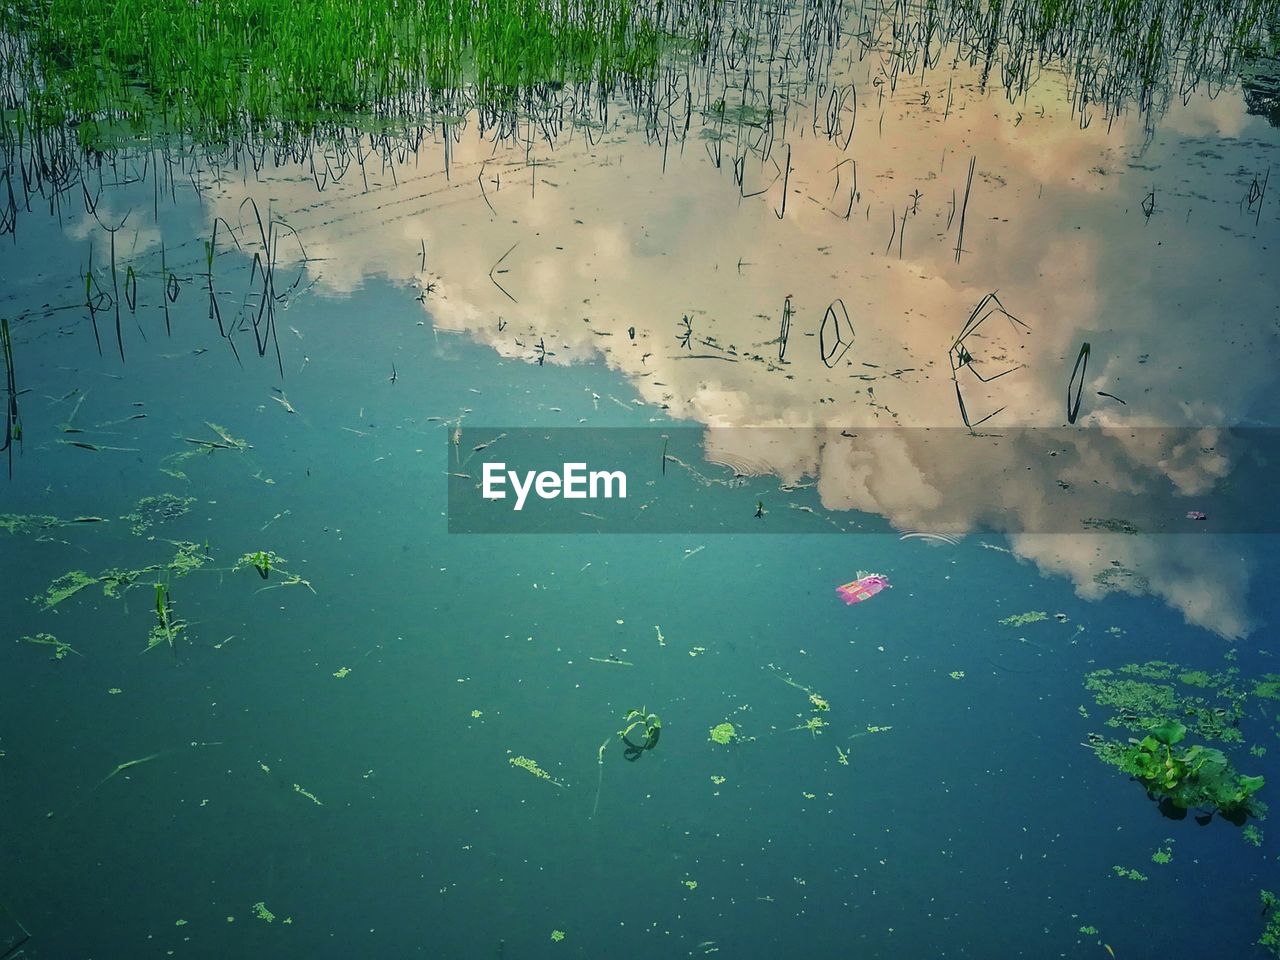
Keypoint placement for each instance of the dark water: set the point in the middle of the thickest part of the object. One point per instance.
(337, 748)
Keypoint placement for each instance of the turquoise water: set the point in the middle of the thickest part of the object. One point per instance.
(975, 825)
(318, 762)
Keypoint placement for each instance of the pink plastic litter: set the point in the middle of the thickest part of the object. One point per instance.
(864, 588)
(1196, 515)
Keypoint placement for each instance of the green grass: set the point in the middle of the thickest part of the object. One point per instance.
(81, 78)
(203, 66)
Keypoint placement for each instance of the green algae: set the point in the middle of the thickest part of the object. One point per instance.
(527, 764)
(818, 704)
(1268, 687)
(116, 581)
(152, 511)
(1022, 619)
(60, 648)
(19, 524)
(1118, 576)
(1129, 873)
(1271, 930)
(723, 733)
(189, 558)
(814, 725)
(1144, 695)
(63, 588)
(1110, 525)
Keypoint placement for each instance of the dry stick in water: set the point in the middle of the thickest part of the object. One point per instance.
(12, 421)
(786, 176)
(88, 300)
(1075, 386)
(964, 208)
(115, 290)
(1261, 194)
(495, 268)
(785, 332)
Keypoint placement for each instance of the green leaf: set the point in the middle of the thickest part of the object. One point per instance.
(1170, 732)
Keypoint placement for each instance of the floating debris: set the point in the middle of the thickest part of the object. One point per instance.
(866, 586)
(612, 659)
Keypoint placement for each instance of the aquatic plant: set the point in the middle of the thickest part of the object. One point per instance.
(1268, 686)
(166, 629)
(814, 725)
(1145, 695)
(1128, 873)
(116, 581)
(524, 763)
(1192, 777)
(1271, 930)
(152, 511)
(723, 733)
(1022, 619)
(189, 557)
(17, 523)
(649, 724)
(260, 560)
(60, 648)
(304, 792)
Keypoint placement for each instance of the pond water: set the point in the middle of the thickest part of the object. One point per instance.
(277, 712)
